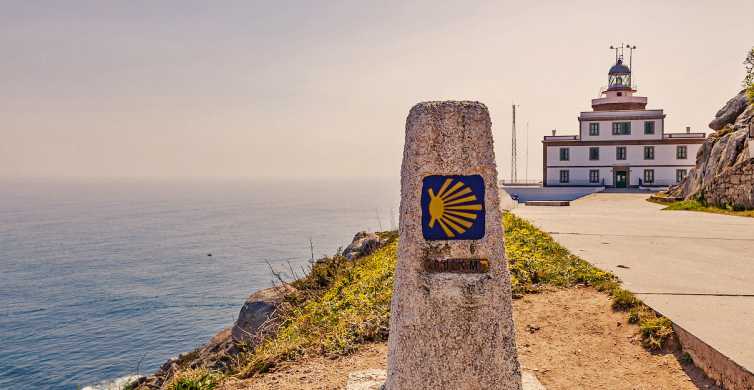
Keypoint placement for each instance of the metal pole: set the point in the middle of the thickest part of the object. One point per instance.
(514, 157)
(526, 140)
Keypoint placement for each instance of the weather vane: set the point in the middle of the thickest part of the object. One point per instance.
(621, 47)
(618, 57)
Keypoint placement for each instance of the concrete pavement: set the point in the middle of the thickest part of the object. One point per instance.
(695, 268)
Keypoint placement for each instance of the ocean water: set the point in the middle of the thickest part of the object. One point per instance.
(101, 277)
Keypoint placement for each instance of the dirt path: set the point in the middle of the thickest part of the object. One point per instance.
(570, 338)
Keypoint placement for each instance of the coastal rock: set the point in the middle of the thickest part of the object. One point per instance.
(257, 313)
(724, 171)
(363, 244)
(215, 355)
(256, 320)
(730, 111)
(744, 120)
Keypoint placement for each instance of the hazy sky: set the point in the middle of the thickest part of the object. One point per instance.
(322, 89)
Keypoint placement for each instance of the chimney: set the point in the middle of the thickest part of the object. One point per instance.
(688, 129)
(553, 132)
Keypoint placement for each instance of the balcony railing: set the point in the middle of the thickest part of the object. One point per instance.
(521, 182)
(605, 88)
(561, 137)
(684, 135)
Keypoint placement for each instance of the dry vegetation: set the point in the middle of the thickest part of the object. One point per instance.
(570, 338)
(342, 305)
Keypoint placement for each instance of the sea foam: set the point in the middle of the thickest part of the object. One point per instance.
(113, 384)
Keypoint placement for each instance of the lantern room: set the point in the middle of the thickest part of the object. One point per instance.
(619, 77)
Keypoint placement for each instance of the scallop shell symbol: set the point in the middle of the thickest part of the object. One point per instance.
(455, 208)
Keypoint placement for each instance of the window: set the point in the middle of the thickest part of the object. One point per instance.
(681, 152)
(649, 176)
(680, 174)
(620, 153)
(565, 154)
(594, 129)
(594, 176)
(621, 128)
(564, 176)
(649, 127)
(649, 152)
(594, 153)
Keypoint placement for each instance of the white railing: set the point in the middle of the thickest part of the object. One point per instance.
(561, 137)
(684, 135)
(521, 182)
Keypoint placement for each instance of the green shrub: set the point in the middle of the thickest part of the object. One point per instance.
(199, 379)
(686, 358)
(623, 299)
(634, 316)
(655, 332)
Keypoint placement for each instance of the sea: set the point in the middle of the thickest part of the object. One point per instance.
(102, 279)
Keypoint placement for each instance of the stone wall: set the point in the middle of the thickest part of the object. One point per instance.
(733, 187)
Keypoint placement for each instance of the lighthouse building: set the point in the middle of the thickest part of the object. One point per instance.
(620, 143)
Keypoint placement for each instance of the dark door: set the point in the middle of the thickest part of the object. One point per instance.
(620, 179)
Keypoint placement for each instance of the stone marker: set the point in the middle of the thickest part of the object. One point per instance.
(450, 319)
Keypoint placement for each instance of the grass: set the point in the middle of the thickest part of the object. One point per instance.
(193, 379)
(353, 309)
(342, 304)
(695, 205)
(536, 260)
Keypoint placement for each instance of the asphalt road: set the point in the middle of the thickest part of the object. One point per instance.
(695, 268)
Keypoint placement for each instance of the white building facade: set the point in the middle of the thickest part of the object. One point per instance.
(620, 143)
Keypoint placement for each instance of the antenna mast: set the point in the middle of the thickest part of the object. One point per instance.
(514, 177)
(631, 64)
(526, 152)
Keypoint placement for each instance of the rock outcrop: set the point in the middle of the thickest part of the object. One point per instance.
(363, 244)
(257, 320)
(258, 314)
(730, 111)
(724, 174)
(217, 355)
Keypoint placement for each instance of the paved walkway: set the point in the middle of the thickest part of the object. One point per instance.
(695, 268)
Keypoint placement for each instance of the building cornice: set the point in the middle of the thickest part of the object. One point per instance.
(620, 118)
(664, 141)
(624, 165)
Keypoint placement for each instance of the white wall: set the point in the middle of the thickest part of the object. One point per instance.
(665, 154)
(664, 164)
(606, 130)
(664, 176)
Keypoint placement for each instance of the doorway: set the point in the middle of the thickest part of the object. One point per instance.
(620, 179)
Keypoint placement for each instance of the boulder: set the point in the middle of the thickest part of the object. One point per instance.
(730, 111)
(258, 312)
(363, 244)
(724, 163)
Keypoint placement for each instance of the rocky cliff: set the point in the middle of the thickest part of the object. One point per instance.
(258, 319)
(724, 171)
